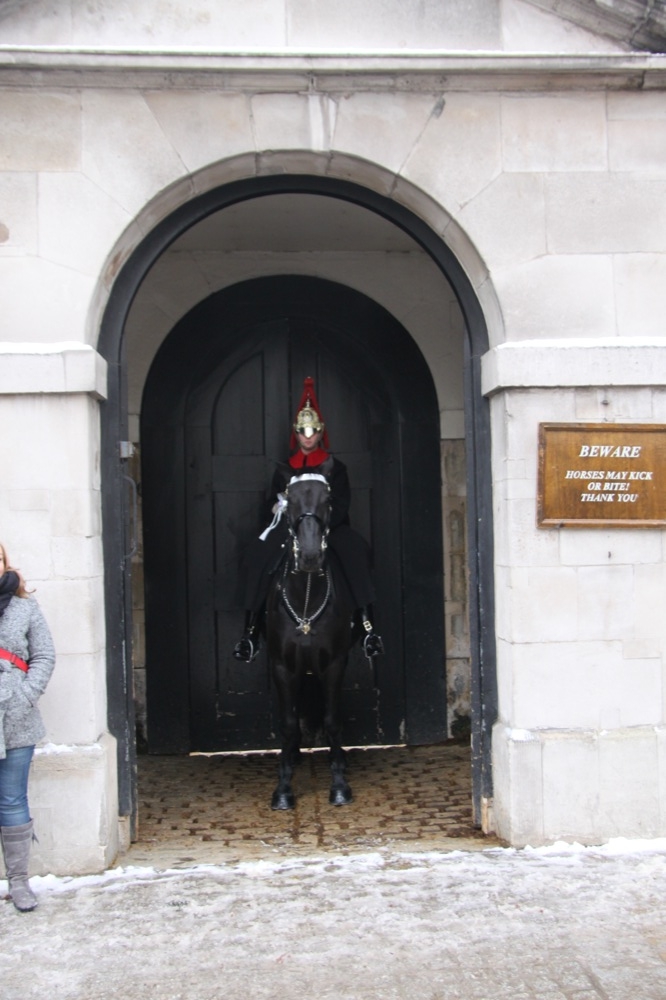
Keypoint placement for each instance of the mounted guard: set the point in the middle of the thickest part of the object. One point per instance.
(309, 452)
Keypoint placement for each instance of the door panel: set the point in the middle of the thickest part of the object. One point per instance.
(233, 438)
(229, 436)
(241, 358)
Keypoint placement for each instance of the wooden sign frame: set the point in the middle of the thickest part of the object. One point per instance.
(602, 476)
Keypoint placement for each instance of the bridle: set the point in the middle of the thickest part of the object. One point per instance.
(304, 622)
(293, 526)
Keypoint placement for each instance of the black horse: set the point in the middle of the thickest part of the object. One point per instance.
(308, 631)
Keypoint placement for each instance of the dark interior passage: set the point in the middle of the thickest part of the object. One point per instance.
(216, 416)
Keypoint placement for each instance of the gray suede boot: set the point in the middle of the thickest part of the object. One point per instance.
(16, 842)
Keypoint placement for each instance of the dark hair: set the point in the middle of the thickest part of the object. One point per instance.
(22, 590)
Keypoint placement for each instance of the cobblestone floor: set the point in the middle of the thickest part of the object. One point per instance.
(216, 809)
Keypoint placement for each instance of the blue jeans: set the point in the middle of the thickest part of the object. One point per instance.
(14, 771)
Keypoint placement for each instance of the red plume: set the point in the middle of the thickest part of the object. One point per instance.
(308, 399)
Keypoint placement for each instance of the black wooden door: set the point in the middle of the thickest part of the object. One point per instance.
(220, 400)
(237, 426)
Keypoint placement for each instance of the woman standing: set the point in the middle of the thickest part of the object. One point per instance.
(27, 658)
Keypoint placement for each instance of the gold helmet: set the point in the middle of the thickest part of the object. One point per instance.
(307, 421)
(308, 418)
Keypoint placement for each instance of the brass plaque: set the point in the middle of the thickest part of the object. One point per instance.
(602, 475)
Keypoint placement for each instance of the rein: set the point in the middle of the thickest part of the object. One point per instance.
(305, 623)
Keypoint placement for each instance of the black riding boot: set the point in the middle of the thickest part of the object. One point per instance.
(247, 646)
(372, 643)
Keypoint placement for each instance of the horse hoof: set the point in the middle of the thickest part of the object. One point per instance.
(283, 800)
(340, 796)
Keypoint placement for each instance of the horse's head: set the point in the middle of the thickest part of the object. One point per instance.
(308, 519)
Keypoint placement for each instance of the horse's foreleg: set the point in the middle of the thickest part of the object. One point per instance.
(283, 797)
(340, 793)
(287, 688)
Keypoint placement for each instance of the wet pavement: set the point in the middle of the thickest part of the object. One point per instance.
(393, 897)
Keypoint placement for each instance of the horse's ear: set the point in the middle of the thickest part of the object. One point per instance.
(326, 466)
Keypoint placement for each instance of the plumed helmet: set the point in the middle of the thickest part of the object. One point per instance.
(308, 417)
(307, 422)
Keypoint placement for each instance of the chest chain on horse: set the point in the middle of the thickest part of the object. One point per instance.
(305, 623)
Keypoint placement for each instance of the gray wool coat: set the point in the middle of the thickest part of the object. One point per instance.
(23, 631)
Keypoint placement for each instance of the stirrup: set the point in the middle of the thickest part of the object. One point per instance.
(372, 643)
(246, 648)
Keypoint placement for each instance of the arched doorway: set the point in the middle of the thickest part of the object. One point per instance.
(216, 415)
(115, 501)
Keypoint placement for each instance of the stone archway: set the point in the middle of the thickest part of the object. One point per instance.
(477, 419)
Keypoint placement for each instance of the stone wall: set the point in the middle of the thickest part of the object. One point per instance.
(545, 177)
(50, 513)
(580, 740)
(309, 25)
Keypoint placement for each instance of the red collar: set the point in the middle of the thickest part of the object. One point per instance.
(302, 461)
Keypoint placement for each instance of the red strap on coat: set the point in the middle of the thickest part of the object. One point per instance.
(15, 660)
